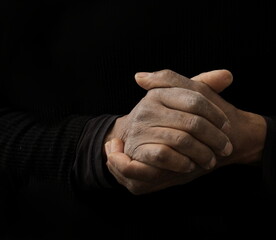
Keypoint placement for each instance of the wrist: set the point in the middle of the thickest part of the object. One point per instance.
(252, 134)
(116, 130)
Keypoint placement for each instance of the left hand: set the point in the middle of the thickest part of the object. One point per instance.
(138, 176)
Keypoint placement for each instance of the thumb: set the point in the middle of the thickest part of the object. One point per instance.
(114, 145)
(218, 80)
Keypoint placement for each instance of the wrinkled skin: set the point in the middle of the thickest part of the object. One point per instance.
(180, 131)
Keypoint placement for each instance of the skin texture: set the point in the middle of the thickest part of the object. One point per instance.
(180, 131)
(174, 123)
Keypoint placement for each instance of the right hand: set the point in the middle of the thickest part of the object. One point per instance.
(247, 134)
(174, 129)
(140, 178)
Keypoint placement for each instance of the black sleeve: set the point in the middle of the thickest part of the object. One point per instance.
(89, 170)
(34, 153)
(43, 132)
(269, 156)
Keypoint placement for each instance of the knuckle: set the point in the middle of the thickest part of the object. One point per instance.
(196, 101)
(193, 123)
(158, 154)
(184, 139)
(142, 111)
(153, 93)
(180, 139)
(167, 73)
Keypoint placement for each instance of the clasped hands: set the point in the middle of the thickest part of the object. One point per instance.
(181, 130)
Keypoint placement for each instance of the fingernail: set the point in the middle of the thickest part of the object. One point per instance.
(107, 147)
(142, 74)
(191, 167)
(227, 149)
(226, 127)
(213, 162)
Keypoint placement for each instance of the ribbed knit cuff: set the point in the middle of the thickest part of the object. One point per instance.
(89, 170)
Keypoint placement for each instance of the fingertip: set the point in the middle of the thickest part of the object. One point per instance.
(191, 167)
(228, 76)
(212, 163)
(226, 128)
(142, 79)
(140, 75)
(218, 80)
(228, 149)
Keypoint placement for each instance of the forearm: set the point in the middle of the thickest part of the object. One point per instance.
(32, 151)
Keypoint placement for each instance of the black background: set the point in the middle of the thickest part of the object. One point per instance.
(70, 48)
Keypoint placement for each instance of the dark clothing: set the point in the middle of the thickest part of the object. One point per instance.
(67, 72)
